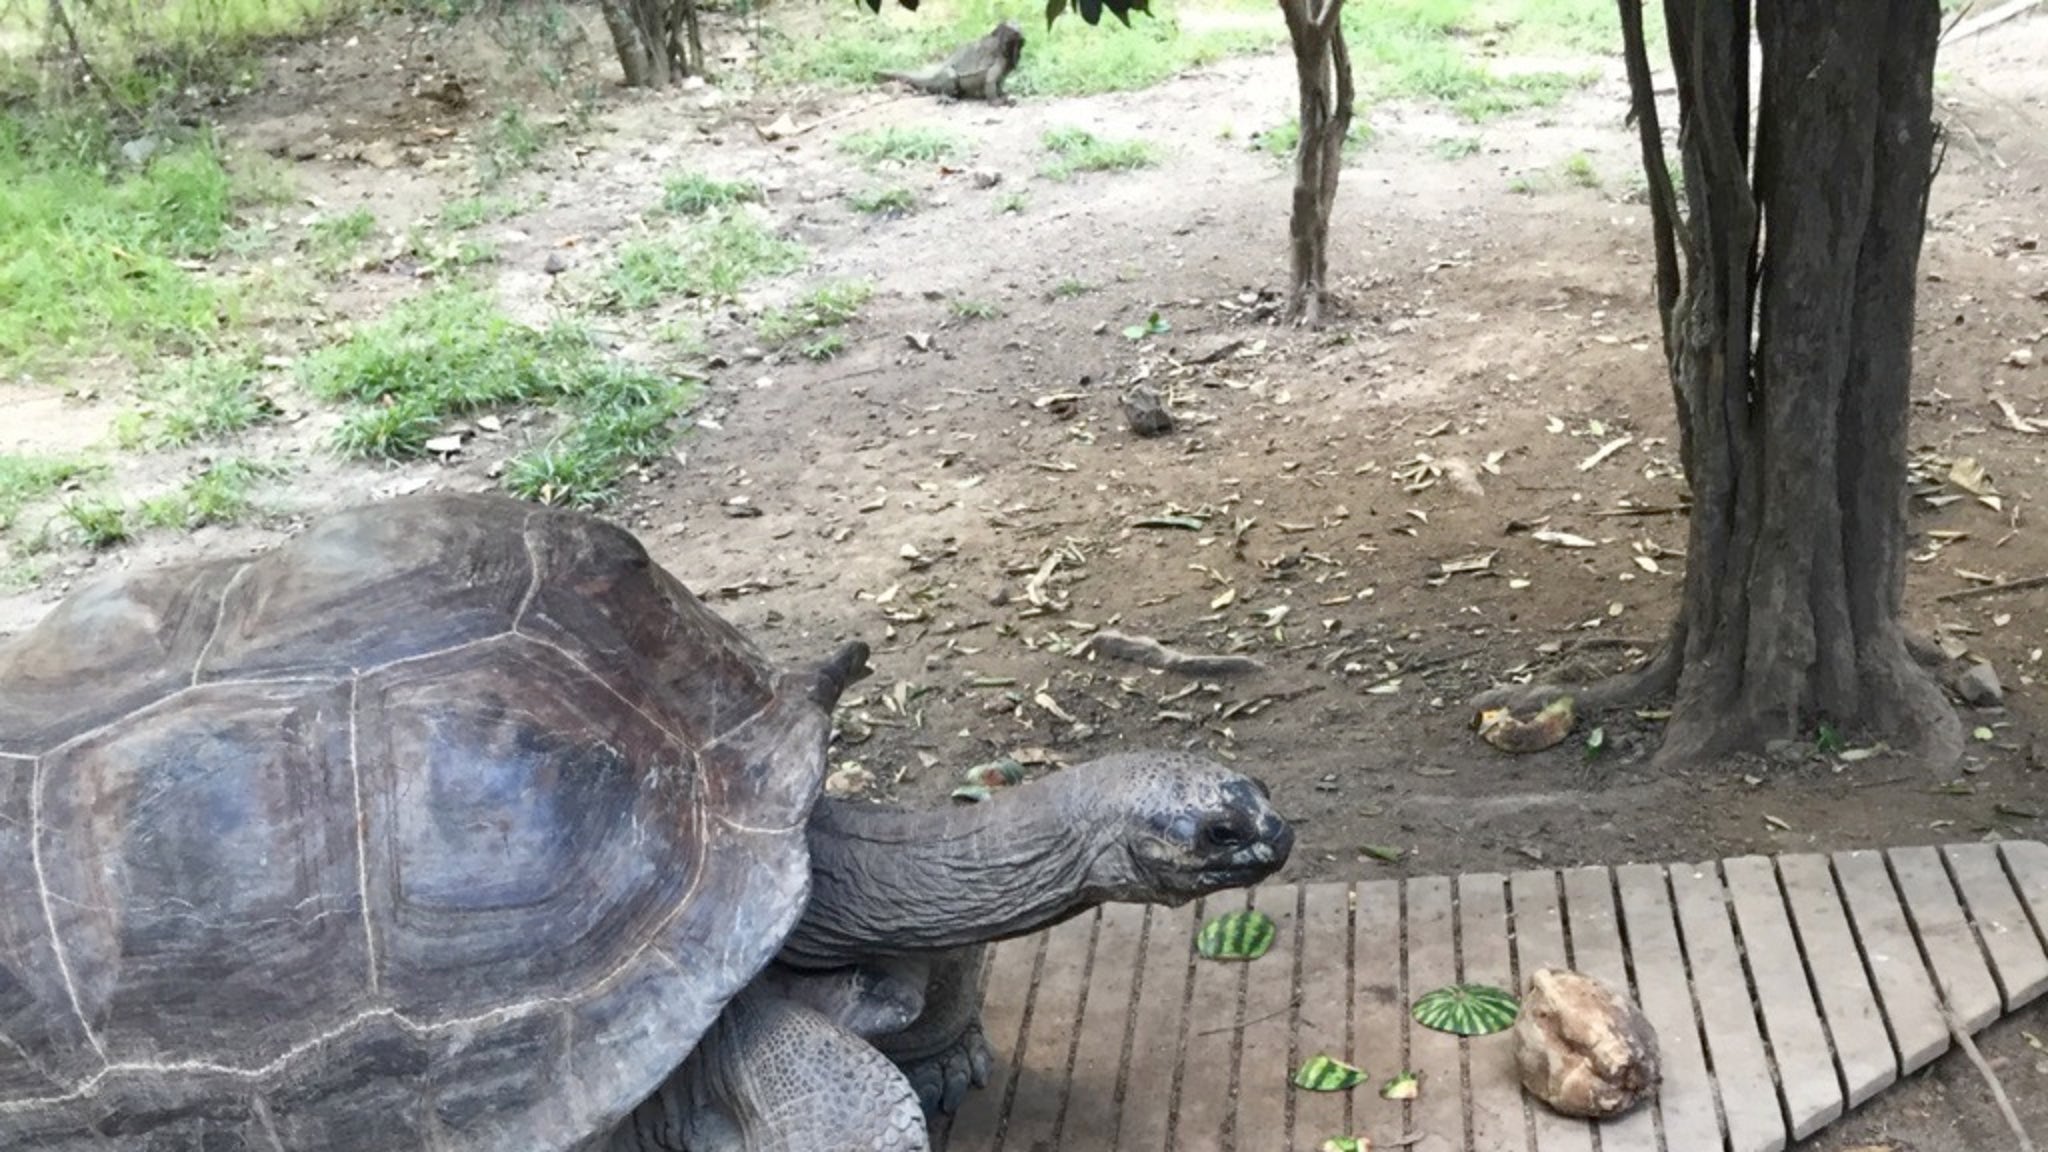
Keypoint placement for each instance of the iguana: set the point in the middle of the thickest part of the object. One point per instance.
(974, 71)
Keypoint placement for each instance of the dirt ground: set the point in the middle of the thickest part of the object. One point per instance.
(964, 494)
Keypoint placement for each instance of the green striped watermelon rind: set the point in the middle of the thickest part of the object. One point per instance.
(1240, 935)
(1467, 1010)
(1321, 1073)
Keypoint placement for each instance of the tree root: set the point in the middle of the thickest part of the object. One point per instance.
(1656, 677)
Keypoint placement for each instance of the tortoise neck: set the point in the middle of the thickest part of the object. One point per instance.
(891, 881)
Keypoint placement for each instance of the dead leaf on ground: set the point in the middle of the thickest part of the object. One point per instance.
(1562, 539)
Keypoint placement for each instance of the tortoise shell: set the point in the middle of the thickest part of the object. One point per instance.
(451, 823)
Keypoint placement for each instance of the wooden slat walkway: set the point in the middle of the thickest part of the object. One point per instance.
(1785, 992)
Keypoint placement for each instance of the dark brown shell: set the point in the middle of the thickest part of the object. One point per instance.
(450, 824)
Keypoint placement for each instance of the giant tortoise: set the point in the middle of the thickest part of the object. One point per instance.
(456, 823)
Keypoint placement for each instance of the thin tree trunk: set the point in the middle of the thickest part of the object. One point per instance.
(657, 41)
(1322, 65)
(1794, 445)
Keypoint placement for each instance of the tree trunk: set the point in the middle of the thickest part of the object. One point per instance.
(1322, 65)
(656, 40)
(1794, 445)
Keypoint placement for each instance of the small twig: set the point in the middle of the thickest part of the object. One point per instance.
(1651, 510)
(1991, 1081)
(2024, 582)
(1291, 1006)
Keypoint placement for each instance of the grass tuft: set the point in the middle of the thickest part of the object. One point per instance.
(899, 144)
(207, 398)
(25, 479)
(693, 194)
(218, 494)
(717, 257)
(623, 418)
(334, 241)
(1079, 150)
(826, 306)
(883, 201)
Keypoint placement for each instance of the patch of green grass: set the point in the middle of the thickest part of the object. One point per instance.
(98, 521)
(693, 193)
(453, 352)
(333, 241)
(623, 418)
(825, 347)
(508, 147)
(221, 493)
(1071, 288)
(1428, 49)
(1578, 168)
(95, 254)
(826, 306)
(206, 398)
(472, 211)
(1456, 147)
(896, 200)
(1079, 150)
(442, 354)
(1068, 59)
(1013, 201)
(973, 309)
(903, 144)
(717, 257)
(24, 479)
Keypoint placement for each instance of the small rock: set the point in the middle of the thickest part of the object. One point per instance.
(1786, 752)
(380, 154)
(445, 445)
(1146, 412)
(2020, 357)
(1215, 348)
(555, 265)
(138, 151)
(1583, 1048)
(985, 177)
(1979, 687)
(849, 780)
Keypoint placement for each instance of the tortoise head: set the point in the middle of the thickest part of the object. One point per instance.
(1172, 826)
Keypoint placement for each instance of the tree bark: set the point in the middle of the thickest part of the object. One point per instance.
(1794, 445)
(657, 41)
(1322, 65)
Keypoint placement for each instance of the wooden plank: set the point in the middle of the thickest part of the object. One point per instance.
(1749, 1100)
(1484, 958)
(2027, 862)
(1863, 1050)
(1049, 1036)
(1012, 967)
(1156, 1027)
(1685, 1101)
(1091, 1114)
(1202, 1123)
(1268, 1021)
(1379, 1009)
(1900, 977)
(1438, 1114)
(1807, 1077)
(1960, 973)
(1539, 943)
(1322, 1011)
(2002, 924)
(1595, 933)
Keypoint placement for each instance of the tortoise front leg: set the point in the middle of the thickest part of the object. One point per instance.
(776, 1076)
